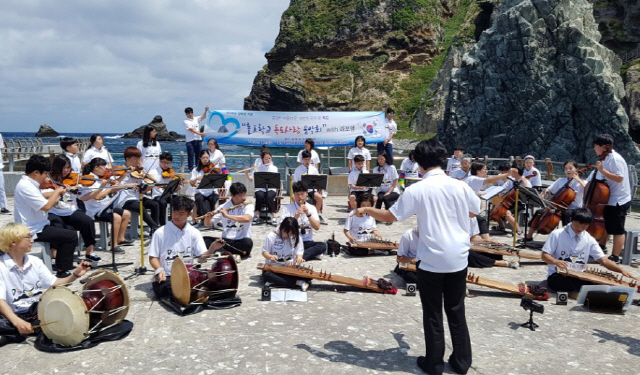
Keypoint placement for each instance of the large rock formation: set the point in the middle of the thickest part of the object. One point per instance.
(538, 82)
(618, 22)
(161, 128)
(632, 101)
(46, 131)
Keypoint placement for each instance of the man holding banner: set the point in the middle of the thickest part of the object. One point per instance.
(392, 128)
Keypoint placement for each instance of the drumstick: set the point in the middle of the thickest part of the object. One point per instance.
(42, 325)
(235, 248)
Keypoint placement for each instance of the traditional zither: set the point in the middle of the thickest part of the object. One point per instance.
(501, 249)
(380, 285)
(522, 289)
(375, 243)
(598, 276)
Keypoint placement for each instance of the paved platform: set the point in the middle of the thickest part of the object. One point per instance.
(342, 330)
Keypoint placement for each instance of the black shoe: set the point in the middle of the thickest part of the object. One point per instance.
(422, 363)
(603, 248)
(118, 250)
(126, 243)
(62, 274)
(93, 257)
(615, 259)
(4, 211)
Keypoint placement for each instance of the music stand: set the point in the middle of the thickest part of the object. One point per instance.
(489, 193)
(529, 197)
(370, 180)
(212, 181)
(314, 182)
(266, 180)
(171, 188)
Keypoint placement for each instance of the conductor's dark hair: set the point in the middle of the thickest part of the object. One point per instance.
(475, 167)
(237, 188)
(188, 110)
(298, 187)
(58, 165)
(93, 138)
(37, 163)
(305, 154)
(430, 153)
(146, 136)
(166, 156)
(366, 196)
(290, 225)
(361, 138)
(504, 167)
(310, 142)
(582, 215)
(603, 139)
(358, 158)
(458, 148)
(572, 162)
(66, 142)
(95, 162)
(182, 203)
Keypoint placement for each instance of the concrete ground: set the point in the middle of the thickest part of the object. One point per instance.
(343, 330)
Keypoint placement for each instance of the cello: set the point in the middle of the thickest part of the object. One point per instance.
(596, 197)
(501, 209)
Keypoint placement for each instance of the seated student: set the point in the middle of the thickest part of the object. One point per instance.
(307, 168)
(23, 279)
(65, 213)
(517, 174)
(409, 166)
(532, 173)
(31, 208)
(477, 180)
(283, 245)
(388, 193)
(570, 248)
(359, 149)
(236, 221)
(308, 221)
(206, 199)
(463, 172)
(361, 228)
(163, 174)
(313, 155)
(70, 149)
(100, 206)
(356, 191)
(482, 260)
(407, 253)
(129, 199)
(97, 150)
(176, 239)
(265, 197)
(453, 163)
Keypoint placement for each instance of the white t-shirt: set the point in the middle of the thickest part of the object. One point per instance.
(353, 178)
(360, 227)
(170, 242)
(217, 158)
(453, 164)
(301, 169)
(390, 174)
(150, 155)
(392, 127)
(619, 192)
(564, 244)
(266, 168)
(408, 246)
(76, 165)
(409, 166)
(535, 180)
(359, 151)
(303, 221)
(475, 182)
(192, 123)
(156, 174)
(21, 289)
(65, 206)
(315, 158)
(234, 230)
(93, 153)
(575, 185)
(442, 206)
(284, 249)
(195, 173)
(125, 195)
(93, 206)
(459, 174)
(28, 202)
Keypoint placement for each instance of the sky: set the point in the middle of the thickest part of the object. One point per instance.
(110, 66)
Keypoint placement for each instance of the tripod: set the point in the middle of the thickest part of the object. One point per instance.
(530, 324)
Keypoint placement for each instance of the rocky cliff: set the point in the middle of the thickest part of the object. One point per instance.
(161, 128)
(46, 131)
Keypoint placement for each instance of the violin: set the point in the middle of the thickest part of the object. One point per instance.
(168, 173)
(535, 173)
(596, 197)
(142, 175)
(71, 180)
(48, 184)
(210, 168)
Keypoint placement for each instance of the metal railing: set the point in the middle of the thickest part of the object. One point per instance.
(630, 55)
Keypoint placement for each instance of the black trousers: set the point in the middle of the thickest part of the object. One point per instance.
(281, 280)
(267, 199)
(78, 221)
(483, 224)
(450, 288)
(152, 217)
(63, 240)
(205, 204)
(478, 260)
(10, 332)
(407, 276)
(163, 289)
(313, 249)
(163, 203)
(561, 283)
(388, 200)
(244, 244)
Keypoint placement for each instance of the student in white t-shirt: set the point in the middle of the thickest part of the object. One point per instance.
(70, 149)
(354, 190)
(453, 163)
(361, 228)
(308, 146)
(219, 161)
(284, 246)
(150, 148)
(477, 180)
(516, 173)
(463, 172)
(570, 248)
(308, 221)
(265, 197)
(206, 199)
(407, 252)
(97, 150)
(531, 172)
(307, 168)
(388, 192)
(392, 129)
(236, 221)
(176, 239)
(359, 149)
(23, 279)
(163, 174)
(409, 166)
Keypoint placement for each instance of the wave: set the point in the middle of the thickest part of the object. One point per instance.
(113, 137)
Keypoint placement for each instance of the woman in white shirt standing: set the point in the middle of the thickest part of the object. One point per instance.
(359, 149)
(388, 193)
(150, 148)
(265, 197)
(284, 246)
(97, 150)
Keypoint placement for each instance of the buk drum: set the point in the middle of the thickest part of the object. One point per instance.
(194, 285)
(68, 317)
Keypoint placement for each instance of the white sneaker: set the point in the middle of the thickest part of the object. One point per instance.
(513, 264)
(304, 286)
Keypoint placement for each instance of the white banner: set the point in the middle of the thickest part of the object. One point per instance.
(290, 129)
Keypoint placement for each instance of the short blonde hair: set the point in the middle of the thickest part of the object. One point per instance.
(12, 232)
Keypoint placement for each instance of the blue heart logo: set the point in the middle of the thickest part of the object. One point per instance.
(228, 127)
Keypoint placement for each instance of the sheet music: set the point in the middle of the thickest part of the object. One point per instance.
(492, 192)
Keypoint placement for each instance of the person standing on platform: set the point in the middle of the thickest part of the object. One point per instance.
(392, 128)
(443, 206)
(193, 135)
(3, 195)
(150, 148)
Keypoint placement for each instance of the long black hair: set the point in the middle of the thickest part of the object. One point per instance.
(290, 225)
(199, 166)
(95, 162)
(387, 160)
(146, 136)
(58, 165)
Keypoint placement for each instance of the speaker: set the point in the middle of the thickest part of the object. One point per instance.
(266, 293)
(606, 301)
(411, 289)
(562, 298)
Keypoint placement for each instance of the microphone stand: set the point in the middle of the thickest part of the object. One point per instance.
(516, 185)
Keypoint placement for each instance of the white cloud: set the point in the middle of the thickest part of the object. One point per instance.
(115, 64)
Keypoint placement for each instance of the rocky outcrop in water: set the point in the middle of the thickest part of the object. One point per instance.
(538, 82)
(46, 131)
(161, 128)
